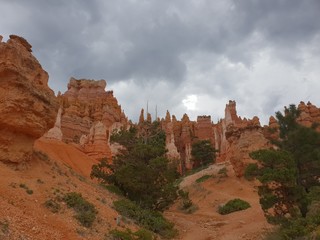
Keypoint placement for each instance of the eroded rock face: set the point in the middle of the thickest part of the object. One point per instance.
(243, 139)
(89, 115)
(55, 132)
(233, 137)
(96, 144)
(28, 106)
(167, 126)
(309, 114)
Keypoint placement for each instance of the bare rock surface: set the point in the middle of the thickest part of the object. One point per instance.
(28, 106)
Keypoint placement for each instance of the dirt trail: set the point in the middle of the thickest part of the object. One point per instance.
(206, 223)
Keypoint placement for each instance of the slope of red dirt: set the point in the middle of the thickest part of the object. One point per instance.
(66, 154)
(59, 169)
(206, 223)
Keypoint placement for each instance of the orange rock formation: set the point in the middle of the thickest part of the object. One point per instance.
(89, 115)
(309, 114)
(233, 137)
(28, 106)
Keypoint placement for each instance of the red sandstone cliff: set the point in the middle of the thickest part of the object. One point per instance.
(89, 115)
(28, 106)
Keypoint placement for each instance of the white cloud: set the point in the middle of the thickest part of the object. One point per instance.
(190, 102)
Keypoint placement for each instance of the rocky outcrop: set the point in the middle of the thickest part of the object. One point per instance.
(167, 126)
(89, 116)
(309, 115)
(28, 106)
(96, 144)
(55, 132)
(233, 137)
(242, 139)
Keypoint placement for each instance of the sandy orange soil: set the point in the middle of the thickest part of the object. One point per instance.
(206, 223)
(24, 216)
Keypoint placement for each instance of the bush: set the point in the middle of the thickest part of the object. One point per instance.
(202, 153)
(251, 171)
(203, 178)
(86, 212)
(4, 228)
(187, 205)
(52, 205)
(113, 189)
(149, 219)
(29, 191)
(223, 172)
(141, 234)
(233, 206)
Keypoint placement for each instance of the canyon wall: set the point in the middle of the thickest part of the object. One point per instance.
(28, 106)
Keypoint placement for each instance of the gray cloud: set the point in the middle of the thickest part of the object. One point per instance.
(255, 52)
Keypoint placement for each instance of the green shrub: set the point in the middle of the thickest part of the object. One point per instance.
(22, 185)
(86, 212)
(113, 189)
(223, 172)
(29, 191)
(251, 171)
(187, 205)
(141, 234)
(123, 235)
(233, 206)
(41, 156)
(52, 205)
(149, 219)
(4, 228)
(203, 178)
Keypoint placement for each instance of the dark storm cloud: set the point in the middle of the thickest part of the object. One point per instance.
(212, 49)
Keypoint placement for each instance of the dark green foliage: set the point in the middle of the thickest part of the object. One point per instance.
(233, 206)
(202, 153)
(297, 228)
(278, 176)
(290, 178)
(113, 189)
(85, 211)
(203, 178)
(251, 171)
(52, 205)
(122, 235)
(141, 171)
(149, 219)
(187, 205)
(223, 172)
(287, 122)
(304, 144)
(141, 234)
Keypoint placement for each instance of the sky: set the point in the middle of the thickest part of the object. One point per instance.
(185, 56)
